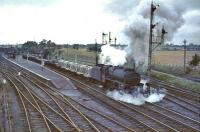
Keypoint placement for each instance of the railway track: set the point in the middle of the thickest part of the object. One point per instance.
(28, 97)
(174, 123)
(190, 103)
(113, 109)
(182, 92)
(164, 119)
(21, 123)
(93, 114)
(183, 103)
(6, 109)
(170, 105)
(73, 114)
(177, 116)
(160, 116)
(52, 117)
(31, 107)
(167, 119)
(113, 120)
(182, 117)
(114, 125)
(105, 121)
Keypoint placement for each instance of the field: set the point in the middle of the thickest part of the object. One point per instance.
(173, 61)
(165, 61)
(173, 58)
(81, 55)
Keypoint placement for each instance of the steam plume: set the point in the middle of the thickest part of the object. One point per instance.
(135, 97)
(137, 25)
(112, 56)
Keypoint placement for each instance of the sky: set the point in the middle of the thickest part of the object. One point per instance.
(83, 21)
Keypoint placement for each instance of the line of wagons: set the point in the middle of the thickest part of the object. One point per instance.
(110, 76)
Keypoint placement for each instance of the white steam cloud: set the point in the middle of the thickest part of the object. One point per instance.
(137, 24)
(112, 56)
(136, 99)
(137, 29)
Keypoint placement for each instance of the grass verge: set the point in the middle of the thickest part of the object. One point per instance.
(177, 81)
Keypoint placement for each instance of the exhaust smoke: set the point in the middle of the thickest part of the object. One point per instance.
(136, 97)
(136, 29)
(112, 56)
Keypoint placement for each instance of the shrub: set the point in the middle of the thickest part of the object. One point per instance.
(195, 60)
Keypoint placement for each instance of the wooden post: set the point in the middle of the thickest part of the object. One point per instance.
(184, 55)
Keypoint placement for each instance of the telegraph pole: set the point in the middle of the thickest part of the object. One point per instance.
(67, 51)
(27, 57)
(96, 48)
(103, 34)
(184, 54)
(153, 8)
(109, 37)
(115, 41)
(104, 38)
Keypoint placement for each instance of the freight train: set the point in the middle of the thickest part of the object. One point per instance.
(108, 75)
(111, 77)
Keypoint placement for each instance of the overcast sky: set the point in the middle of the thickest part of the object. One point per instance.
(82, 21)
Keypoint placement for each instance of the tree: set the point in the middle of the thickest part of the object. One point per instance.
(50, 44)
(30, 46)
(43, 44)
(195, 60)
(46, 47)
(76, 46)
